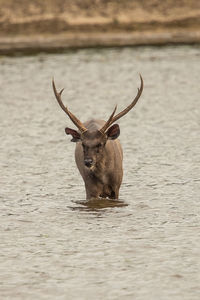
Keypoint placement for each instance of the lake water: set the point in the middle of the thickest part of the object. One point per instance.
(53, 245)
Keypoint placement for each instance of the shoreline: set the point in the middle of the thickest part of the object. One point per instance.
(59, 42)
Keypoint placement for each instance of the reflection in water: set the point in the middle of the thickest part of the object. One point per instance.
(98, 203)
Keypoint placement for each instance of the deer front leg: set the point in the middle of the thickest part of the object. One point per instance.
(93, 189)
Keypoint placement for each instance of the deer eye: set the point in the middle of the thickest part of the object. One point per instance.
(84, 147)
(98, 147)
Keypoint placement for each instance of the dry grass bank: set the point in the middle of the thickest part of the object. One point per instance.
(55, 24)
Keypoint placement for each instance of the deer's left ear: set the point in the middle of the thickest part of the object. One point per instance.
(113, 132)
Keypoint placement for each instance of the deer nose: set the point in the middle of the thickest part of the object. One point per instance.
(88, 162)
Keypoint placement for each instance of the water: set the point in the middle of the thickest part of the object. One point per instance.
(56, 246)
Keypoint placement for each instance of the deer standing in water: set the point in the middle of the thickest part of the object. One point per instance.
(98, 152)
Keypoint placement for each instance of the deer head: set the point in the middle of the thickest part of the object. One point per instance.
(93, 142)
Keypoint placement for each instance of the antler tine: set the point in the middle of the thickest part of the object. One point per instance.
(107, 124)
(112, 119)
(126, 110)
(74, 119)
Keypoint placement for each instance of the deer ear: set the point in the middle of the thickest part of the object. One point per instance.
(75, 135)
(113, 132)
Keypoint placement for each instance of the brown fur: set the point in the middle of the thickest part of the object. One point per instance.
(105, 179)
(98, 153)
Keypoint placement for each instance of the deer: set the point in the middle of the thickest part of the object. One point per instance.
(98, 152)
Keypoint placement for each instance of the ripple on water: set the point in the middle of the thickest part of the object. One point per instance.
(147, 244)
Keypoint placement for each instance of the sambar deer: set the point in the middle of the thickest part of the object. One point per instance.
(98, 152)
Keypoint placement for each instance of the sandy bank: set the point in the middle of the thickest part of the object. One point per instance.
(53, 25)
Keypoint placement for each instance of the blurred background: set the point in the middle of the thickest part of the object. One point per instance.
(54, 244)
(50, 24)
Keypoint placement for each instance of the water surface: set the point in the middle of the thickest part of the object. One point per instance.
(55, 246)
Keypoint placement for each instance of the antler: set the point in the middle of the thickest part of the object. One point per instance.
(107, 124)
(112, 119)
(74, 119)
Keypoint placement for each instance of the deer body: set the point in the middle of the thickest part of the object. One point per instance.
(105, 179)
(98, 151)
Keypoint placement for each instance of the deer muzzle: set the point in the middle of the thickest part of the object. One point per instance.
(88, 162)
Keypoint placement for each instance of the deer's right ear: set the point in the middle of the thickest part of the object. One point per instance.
(75, 135)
